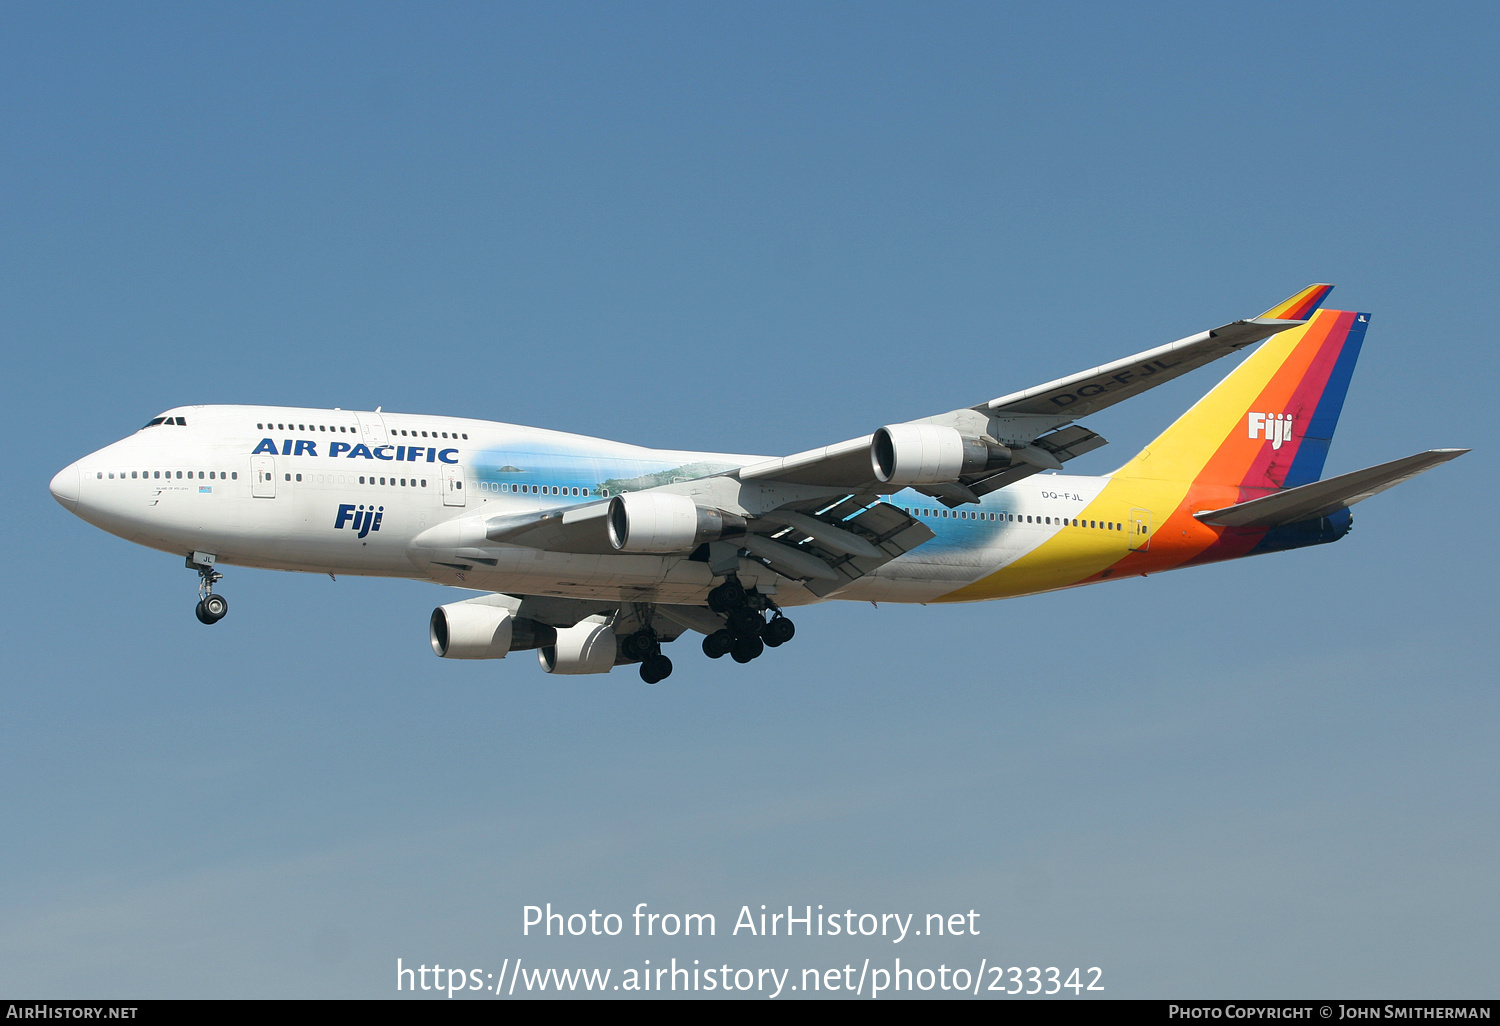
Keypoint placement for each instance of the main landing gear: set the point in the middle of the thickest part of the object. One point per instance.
(211, 608)
(748, 633)
(753, 623)
(646, 646)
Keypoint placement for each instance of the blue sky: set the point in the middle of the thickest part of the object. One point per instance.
(758, 229)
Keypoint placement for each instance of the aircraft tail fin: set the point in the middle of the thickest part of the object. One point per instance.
(1268, 425)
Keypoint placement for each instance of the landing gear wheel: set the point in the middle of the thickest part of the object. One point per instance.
(640, 645)
(746, 623)
(216, 607)
(778, 632)
(211, 609)
(727, 596)
(655, 669)
(746, 649)
(718, 644)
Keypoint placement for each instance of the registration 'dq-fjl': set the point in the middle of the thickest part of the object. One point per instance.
(599, 554)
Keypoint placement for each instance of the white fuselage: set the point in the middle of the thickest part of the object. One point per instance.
(335, 491)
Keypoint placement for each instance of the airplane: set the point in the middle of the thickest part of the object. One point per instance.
(596, 553)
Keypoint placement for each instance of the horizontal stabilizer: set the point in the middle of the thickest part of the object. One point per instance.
(1320, 498)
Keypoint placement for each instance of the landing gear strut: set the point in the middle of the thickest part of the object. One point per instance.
(211, 608)
(748, 633)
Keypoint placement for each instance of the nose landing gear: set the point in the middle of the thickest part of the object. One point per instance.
(211, 608)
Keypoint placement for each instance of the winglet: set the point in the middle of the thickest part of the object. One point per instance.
(1300, 307)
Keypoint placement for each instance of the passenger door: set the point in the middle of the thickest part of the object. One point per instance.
(1140, 530)
(372, 428)
(263, 477)
(453, 486)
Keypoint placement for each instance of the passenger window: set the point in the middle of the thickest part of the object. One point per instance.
(260, 427)
(299, 477)
(424, 482)
(361, 480)
(466, 434)
(234, 475)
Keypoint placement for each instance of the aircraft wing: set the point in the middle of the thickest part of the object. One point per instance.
(1320, 498)
(1025, 432)
(822, 542)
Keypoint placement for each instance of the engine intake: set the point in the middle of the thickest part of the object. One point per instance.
(666, 522)
(464, 630)
(922, 454)
(475, 630)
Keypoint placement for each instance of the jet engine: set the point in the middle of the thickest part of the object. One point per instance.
(474, 630)
(587, 647)
(464, 630)
(666, 522)
(919, 454)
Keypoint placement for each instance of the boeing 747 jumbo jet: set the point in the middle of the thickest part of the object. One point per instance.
(597, 553)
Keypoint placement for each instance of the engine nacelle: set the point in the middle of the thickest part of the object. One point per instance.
(583, 648)
(917, 454)
(920, 454)
(469, 630)
(666, 522)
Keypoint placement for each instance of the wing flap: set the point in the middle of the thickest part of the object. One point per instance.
(1320, 498)
(1064, 445)
(886, 527)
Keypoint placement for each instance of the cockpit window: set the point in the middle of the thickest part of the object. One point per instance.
(154, 421)
(179, 421)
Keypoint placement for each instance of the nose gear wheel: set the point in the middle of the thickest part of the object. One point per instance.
(211, 608)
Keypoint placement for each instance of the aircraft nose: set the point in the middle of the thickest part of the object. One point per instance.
(64, 487)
